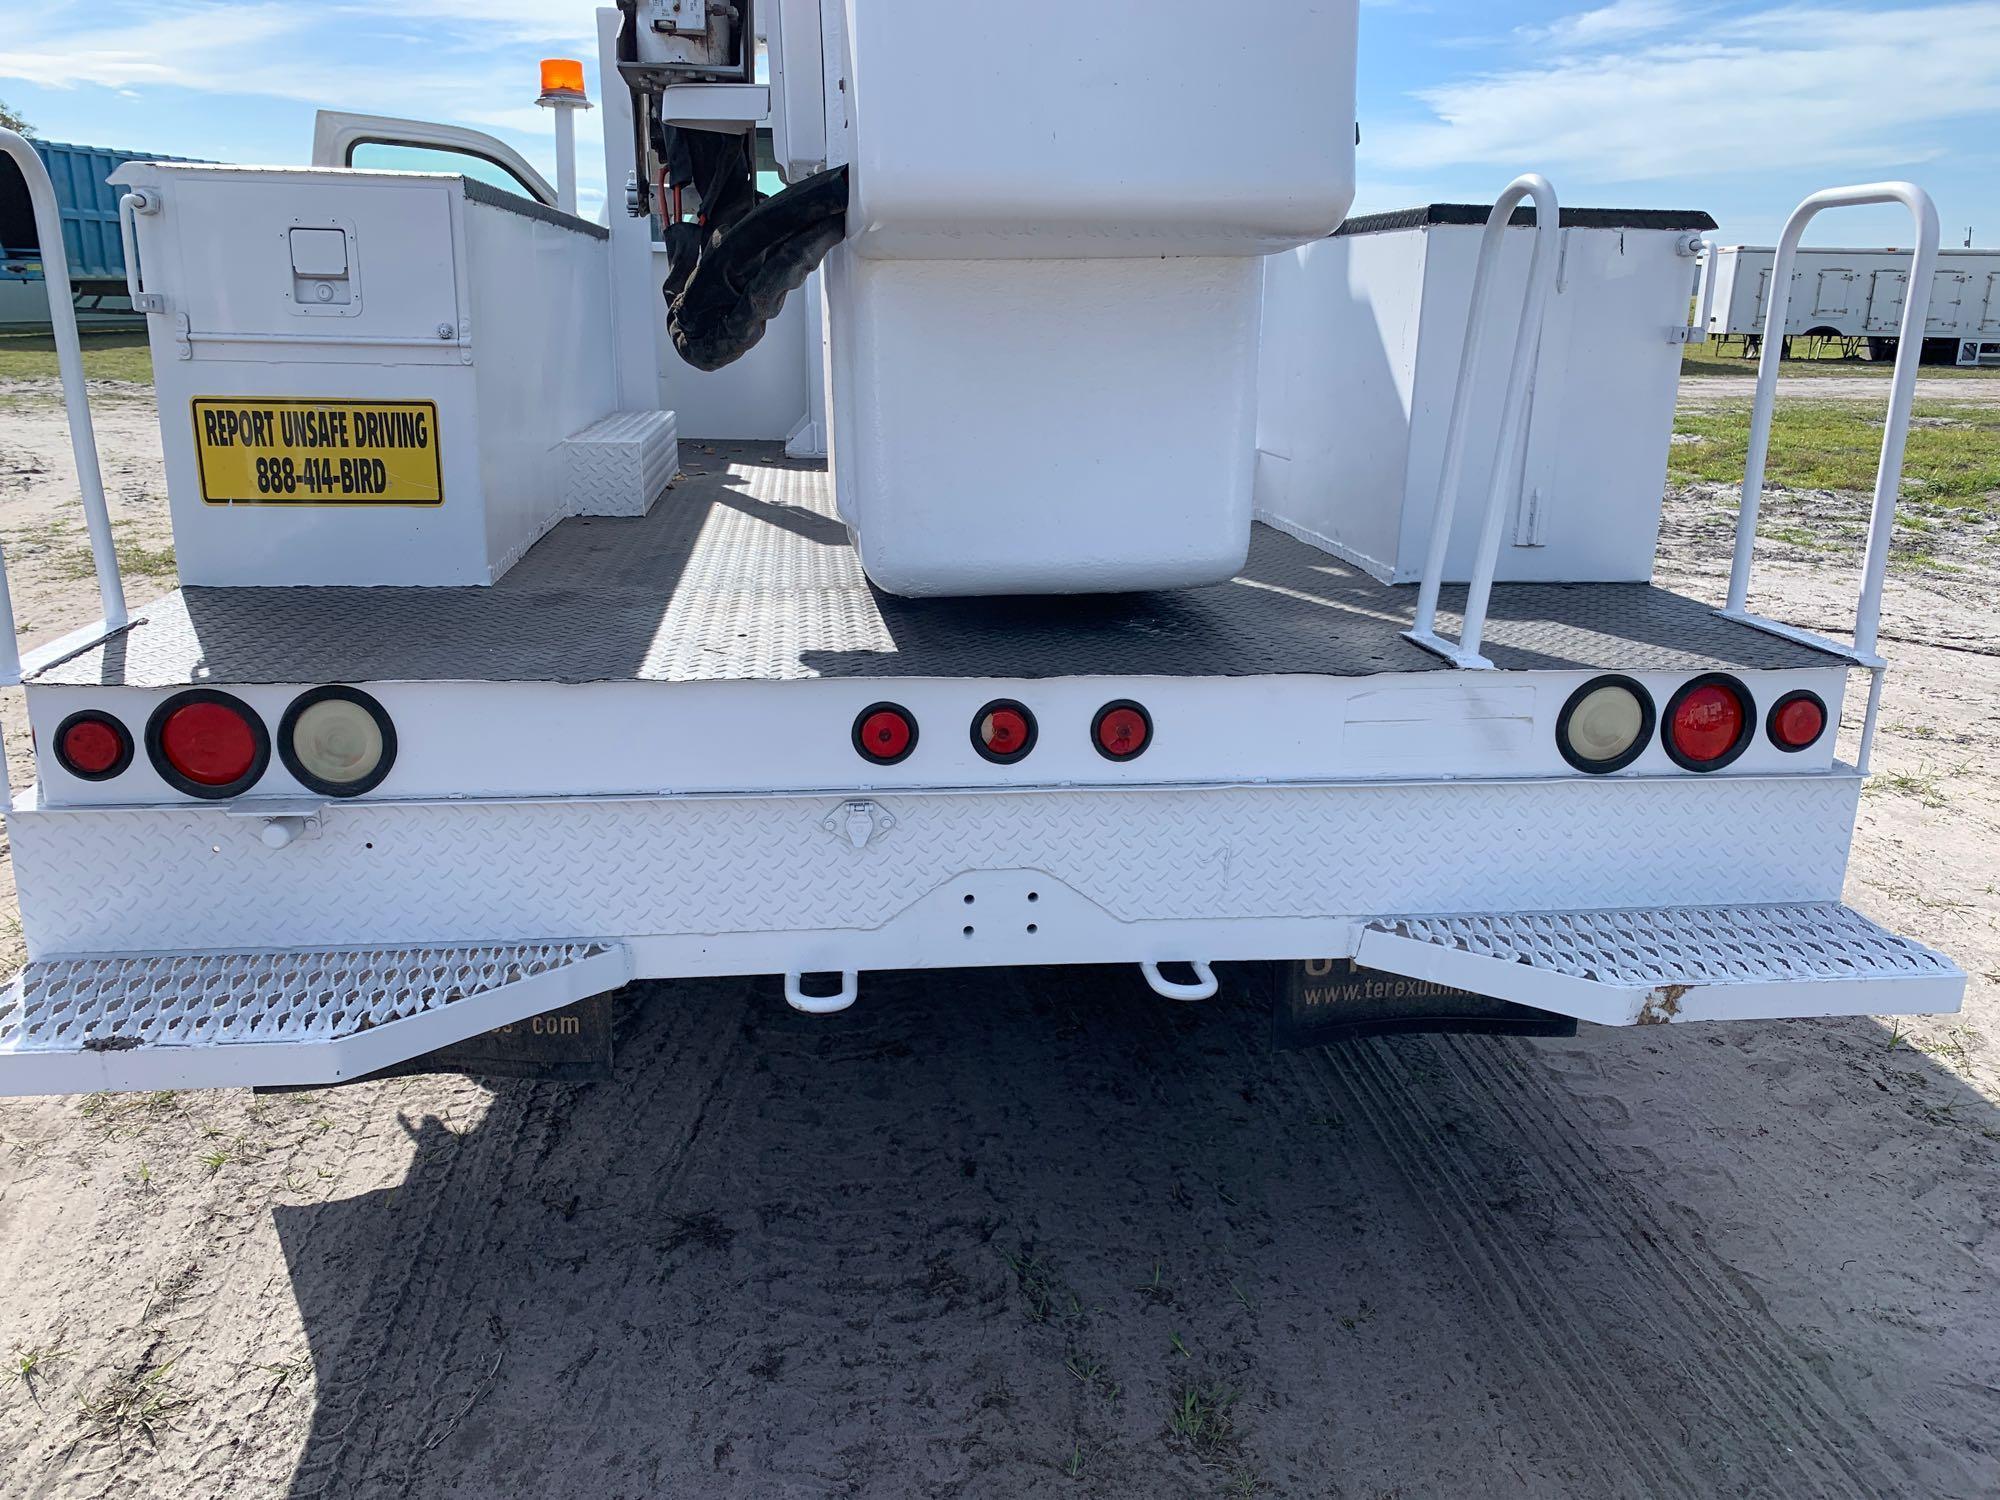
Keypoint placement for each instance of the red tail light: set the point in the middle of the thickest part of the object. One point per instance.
(93, 746)
(1003, 731)
(1122, 730)
(1797, 721)
(1708, 722)
(885, 733)
(207, 744)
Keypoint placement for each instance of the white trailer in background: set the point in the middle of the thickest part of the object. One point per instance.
(463, 713)
(1858, 295)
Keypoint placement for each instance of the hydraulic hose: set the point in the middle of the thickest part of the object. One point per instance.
(718, 309)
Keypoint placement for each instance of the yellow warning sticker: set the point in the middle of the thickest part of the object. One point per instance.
(258, 451)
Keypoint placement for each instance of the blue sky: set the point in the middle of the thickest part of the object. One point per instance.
(1738, 108)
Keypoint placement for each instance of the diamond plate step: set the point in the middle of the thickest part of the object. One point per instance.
(619, 466)
(219, 1020)
(1648, 967)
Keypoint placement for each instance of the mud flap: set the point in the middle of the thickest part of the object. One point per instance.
(1651, 967)
(570, 1045)
(1323, 1001)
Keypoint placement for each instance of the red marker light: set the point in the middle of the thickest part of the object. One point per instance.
(93, 746)
(1797, 721)
(1122, 730)
(1003, 731)
(1708, 723)
(885, 733)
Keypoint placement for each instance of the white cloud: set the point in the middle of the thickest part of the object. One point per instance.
(468, 62)
(1618, 21)
(1798, 86)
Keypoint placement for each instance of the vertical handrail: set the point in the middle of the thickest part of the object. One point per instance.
(1513, 421)
(1895, 430)
(69, 361)
(1902, 394)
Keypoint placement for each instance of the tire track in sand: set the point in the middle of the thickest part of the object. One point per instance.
(1501, 1273)
(1745, 1356)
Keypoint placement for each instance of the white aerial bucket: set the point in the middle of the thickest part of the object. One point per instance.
(1044, 321)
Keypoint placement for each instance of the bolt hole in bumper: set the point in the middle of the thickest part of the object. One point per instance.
(174, 948)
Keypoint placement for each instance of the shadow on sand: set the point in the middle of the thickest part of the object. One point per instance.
(992, 1232)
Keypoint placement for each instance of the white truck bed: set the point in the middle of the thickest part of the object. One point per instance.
(631, 759)
(744, 573)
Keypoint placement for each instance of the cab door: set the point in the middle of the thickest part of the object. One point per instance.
(383, 143)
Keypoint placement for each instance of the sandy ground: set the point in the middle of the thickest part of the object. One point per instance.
(989, 1234)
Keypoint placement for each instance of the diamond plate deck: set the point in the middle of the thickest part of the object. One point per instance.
(744, 572)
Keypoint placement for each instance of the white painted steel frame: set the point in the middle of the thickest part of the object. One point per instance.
(550, 739)
(1513, 420)
(1895, 432)
(760, 884)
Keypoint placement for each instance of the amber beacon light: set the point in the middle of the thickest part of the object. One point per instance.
(562, 78)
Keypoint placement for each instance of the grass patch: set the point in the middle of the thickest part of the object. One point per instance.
(146, 562)
(122, 1116)
(112, 354)
(1923, 786)
(1725, 357)
(1202, 1414)
(135, 1403)
(1045, 1297)
(1953, 457)
(31, 1365)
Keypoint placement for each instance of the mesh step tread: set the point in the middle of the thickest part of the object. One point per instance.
(1710, 945)
(1687, 963)
(221, 999)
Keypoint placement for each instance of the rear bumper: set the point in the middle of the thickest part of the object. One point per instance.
(175, 946)
(327, 1016)
(718, 884)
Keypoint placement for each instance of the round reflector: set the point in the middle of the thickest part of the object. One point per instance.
(885, 733)
(1122, 730)
(1708, 722)
(207, 744)
(1797, 721)
(1003, 731)
(1605, 725)
(337, 741)
(93, 746)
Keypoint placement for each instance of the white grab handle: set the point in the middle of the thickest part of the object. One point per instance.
(1902, 393)
(822, 1005)
(1203, 988)
(136, 202)
(1513, 420)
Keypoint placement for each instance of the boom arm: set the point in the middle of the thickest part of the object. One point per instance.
(731, 267)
